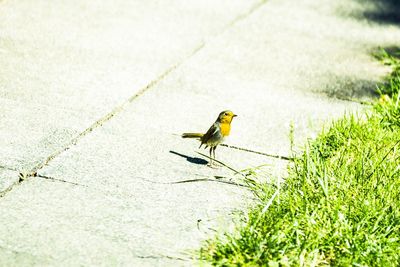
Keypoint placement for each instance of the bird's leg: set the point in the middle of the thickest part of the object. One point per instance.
(214, 151)
(215, 164)
(211, 159)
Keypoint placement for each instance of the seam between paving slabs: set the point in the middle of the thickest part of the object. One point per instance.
(212, 178)
(8, 188)
(121, 107)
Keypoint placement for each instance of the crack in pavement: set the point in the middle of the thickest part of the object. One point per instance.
(251, 10)
(8, 168)
(260, 153)
(157, 257)
(58, 180)
(238, 148)
(8, 189)
(203, 178)
(208, 180)
(9, 186)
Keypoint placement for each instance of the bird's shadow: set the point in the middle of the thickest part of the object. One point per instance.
(193, 160)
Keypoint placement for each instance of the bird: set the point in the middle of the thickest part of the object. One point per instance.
(220, 129)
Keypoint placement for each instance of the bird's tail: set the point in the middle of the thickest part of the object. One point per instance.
(192, 135)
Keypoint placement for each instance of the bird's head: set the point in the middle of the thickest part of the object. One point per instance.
(226, 116)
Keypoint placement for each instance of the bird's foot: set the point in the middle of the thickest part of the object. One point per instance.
(212, 165)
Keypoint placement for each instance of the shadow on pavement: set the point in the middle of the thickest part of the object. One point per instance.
(348, 88)
(381, 11)
(191, 159)
(386, 11)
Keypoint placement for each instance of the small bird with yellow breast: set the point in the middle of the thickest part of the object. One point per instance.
(216, 134)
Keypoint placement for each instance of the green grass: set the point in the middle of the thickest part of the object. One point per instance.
(340, 205)
(388, 106)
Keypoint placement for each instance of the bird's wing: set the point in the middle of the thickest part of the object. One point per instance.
(211, 132)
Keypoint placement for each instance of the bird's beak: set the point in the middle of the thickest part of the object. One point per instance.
(234, 115)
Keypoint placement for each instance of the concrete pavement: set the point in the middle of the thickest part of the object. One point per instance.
(94, 95)
(68, 64)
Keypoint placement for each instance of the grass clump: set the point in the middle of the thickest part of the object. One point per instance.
(388, 107)
(338, 207)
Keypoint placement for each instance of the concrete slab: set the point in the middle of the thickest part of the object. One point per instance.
(135, 224)
(65, 65)
(90, 57)
(31, 132)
